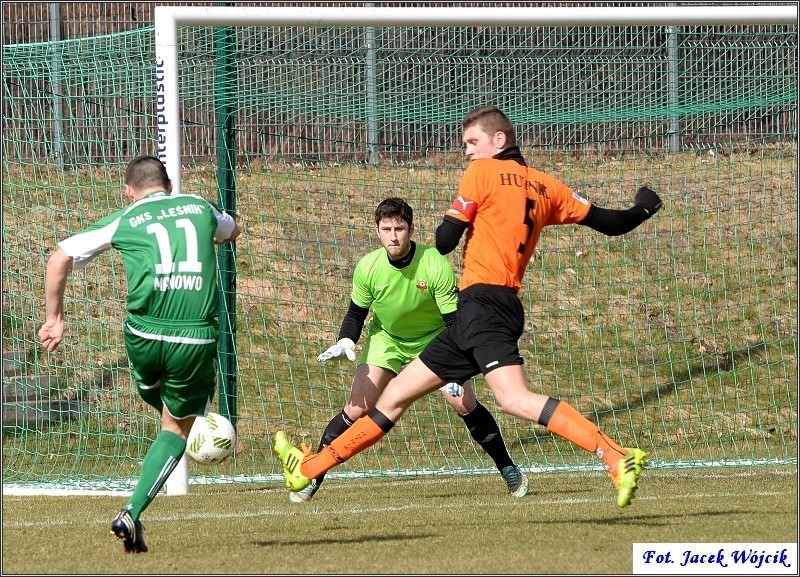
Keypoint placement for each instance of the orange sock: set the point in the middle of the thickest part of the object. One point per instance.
(568, 423)
(360, 436)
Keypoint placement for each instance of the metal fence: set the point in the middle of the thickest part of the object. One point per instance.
(569, 78)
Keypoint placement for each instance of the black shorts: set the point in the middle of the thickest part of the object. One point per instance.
(490, 320)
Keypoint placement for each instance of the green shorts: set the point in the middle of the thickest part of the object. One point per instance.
(180, 375)
(388, 352)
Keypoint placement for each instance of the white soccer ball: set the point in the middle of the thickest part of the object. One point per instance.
(211, 439)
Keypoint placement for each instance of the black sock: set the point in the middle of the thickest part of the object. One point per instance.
(337, 425)
(484, 430)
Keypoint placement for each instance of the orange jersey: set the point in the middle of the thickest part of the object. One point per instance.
(506, 205)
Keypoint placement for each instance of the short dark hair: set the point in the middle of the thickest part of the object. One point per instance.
(146, 171)
(491, 120)
(394, 208)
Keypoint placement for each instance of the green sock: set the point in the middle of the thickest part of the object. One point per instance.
(160, 461)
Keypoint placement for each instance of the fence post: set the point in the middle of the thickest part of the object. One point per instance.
(225, 85)
(672, 87)
(372, 95)
(54, 17)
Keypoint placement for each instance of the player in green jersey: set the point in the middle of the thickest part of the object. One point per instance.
(411, 289)
(167, 246)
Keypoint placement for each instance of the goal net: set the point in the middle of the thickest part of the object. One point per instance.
(680, 337)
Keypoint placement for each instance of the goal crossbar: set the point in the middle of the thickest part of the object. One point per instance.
(477, 16)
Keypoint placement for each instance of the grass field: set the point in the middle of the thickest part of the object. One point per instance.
(444, 525)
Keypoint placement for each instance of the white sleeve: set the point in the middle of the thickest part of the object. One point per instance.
(85, 246)
(225, 225)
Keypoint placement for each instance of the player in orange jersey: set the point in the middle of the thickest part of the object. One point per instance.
(502, 205)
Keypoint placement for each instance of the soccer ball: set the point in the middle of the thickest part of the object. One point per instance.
(211, 439)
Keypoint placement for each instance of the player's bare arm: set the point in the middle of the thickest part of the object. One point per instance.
(59, 266)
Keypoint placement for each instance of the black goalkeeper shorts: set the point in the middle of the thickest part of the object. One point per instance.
(485, 336)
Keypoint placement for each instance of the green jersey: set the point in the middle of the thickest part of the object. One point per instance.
(407, 303)
(167, 246)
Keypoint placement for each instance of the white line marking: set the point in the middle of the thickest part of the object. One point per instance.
(311, 509)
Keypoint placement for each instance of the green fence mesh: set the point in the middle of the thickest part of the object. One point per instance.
(680, 337)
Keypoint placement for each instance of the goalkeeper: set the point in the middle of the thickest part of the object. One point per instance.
(411, 289)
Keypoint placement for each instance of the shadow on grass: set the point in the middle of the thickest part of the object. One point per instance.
(533, 491)
(648, 520)
(344, 540)
(703, 366)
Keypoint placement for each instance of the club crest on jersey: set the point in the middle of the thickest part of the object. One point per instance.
(422, 284)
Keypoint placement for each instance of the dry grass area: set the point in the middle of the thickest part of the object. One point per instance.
(680, 335)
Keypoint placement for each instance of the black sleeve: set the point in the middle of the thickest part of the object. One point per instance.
(614, 222)
(448, 234)
(353, 322)
(450, 318)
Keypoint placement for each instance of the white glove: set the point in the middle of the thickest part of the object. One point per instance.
(453, 389)
(343, 347)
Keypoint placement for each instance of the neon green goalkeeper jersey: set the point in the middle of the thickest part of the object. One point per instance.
(407, 303)
(167, 246)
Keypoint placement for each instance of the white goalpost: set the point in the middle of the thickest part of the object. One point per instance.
(168, 19)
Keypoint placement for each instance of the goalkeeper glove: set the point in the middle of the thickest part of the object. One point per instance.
(648, 200)
(453, 389)
(343, 347)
